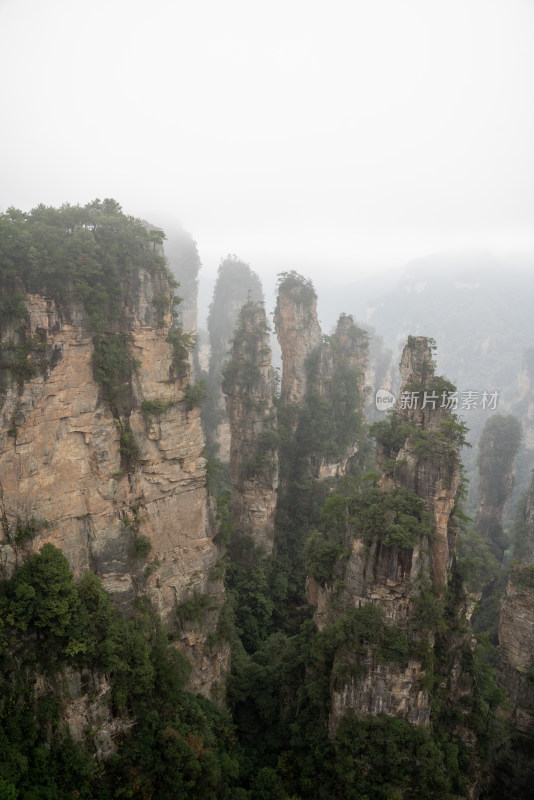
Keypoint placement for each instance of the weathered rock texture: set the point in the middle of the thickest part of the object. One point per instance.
(515, 653)
(427, 462)
(60, 462)
(419, 453)
(299, 335)
(317, 368)
(85, 698)
(339, 356)
(249, 385)
(236, 283)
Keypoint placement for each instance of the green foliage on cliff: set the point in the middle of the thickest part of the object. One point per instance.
(236, 285)
(331, 419)
(195, 394)
(300, 289)
(89, 254)
(113, 366)
(153, 407)
(182, 342)
(173, 744)
(396, 517)
(427, 444)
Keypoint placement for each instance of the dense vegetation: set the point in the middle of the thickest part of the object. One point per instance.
(89, 256)
(51, 631)
(58, 637)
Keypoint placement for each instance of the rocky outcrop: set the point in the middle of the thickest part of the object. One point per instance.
(427, 461)
(322, 376)
(515, 652)
(339, 378)
(249, 385)
(236, 284)
(85, 698)
(417, 449)
(124, 497)
(299, 334)
(394, 690)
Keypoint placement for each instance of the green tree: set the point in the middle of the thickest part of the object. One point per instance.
(42, 592)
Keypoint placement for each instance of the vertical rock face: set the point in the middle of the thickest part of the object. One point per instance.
(428, 458)
(515, 653)
(337, 360)
(317, 369)
(298, 332)
(249, 385)
(236, 283)
(62, 462)
(418, 452)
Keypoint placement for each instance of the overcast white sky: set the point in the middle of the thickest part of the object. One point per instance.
(326, 136)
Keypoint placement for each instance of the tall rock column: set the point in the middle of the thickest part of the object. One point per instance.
(322, 387)
(236, 284)
(383, 561)
(427, 461)
(249, 385)
(299, 333)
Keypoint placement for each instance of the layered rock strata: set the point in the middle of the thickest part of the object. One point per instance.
(299, 335)
(62, 469)
(417, 451)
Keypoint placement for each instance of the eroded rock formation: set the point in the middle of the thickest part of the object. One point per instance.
(322, 376)
(249, 385)
(400, 573)
(106, 490)
(299, 334)
(236, 283)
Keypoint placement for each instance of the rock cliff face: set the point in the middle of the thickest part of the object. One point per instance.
(428, 461)
(249, 385)
(299, 335)
(515, 653)
(236, 283)
(337, 357)
(317, 369)
(62, 466)
(417, 449)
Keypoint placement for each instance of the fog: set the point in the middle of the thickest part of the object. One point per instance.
(336, 138)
